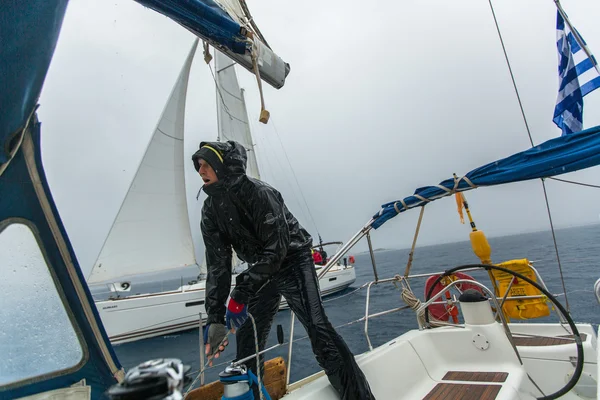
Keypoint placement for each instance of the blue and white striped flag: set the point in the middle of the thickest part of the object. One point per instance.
(577, 76)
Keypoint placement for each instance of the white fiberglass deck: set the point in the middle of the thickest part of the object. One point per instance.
(471, 362)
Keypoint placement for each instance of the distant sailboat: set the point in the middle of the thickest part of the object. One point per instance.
(151, 232)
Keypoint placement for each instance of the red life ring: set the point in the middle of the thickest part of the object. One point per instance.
(443, 312)
(351, 259)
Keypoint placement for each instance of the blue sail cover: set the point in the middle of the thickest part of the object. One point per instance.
(203, 17)
(554, 157)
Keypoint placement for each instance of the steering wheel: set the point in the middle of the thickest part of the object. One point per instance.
(578, 367)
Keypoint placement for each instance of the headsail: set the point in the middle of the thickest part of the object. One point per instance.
(231, 111)
(151, 231)
(554, 157)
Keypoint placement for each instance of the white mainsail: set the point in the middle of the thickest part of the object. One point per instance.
(231, 111)
(232, 117)
(151, 232)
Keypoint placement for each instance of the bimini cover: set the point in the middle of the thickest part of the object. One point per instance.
(28, 34)
(29, 31)
(555, 157)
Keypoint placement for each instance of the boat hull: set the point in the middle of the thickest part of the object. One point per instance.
(147, 315)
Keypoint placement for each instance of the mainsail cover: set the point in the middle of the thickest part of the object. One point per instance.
(554, 157)
(225, 25)
(151, 231)
(231, 111)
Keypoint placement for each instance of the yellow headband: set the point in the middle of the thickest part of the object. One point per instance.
(216, 152)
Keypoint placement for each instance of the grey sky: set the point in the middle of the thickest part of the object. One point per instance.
(379, 101)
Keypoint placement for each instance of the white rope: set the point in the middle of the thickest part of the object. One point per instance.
(425, 200)
(464, 178)
(254, 55)
(210, 358)
(414, 303)
(257, 358)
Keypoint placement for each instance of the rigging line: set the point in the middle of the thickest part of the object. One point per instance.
(159, 323)
(233, 117)
(263, 145)
(287, 182)
(575, 182)
(247, 14)
(562, 279)
(295, 178)
(512, 76)
(531, 141)
(221, 97)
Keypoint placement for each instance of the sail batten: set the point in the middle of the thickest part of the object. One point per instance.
(151, 232)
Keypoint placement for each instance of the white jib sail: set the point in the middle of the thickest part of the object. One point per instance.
(151, 232)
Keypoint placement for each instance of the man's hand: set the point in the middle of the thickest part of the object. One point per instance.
(236, 315)
(213, 336)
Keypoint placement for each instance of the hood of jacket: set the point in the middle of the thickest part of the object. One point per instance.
(234, 164)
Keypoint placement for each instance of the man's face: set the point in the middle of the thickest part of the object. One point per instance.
(207, 173)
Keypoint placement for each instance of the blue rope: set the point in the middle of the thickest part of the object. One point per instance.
(249, 395)
(254, 381)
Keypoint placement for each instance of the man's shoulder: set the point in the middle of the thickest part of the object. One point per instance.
(207, 204)
(208, 208)
(261, 187)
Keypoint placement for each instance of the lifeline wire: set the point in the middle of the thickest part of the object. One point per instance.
(562, 279)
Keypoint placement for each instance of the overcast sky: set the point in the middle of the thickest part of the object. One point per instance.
(379, 101)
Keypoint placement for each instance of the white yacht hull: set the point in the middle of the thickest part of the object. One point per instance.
(147, 315)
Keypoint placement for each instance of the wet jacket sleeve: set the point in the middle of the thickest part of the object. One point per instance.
(272, 231)
(218, 263)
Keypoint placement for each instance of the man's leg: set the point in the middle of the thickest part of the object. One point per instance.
(263, 307)
(298, 284)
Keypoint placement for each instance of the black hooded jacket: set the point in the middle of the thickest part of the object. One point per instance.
(251, 217)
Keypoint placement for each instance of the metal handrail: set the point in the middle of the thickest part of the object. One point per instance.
(491, 296)
(367, 315)
(345, 248)
(431, 301)
(367, 301)
(597, 290)
(289, 360)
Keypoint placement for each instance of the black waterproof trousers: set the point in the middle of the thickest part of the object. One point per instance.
(297, 283)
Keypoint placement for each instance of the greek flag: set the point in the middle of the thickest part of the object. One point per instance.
(577, 76)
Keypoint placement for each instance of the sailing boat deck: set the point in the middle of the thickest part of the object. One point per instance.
(444, 363)
(424, 365)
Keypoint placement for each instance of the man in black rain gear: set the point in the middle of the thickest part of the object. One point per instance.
(250, 217)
